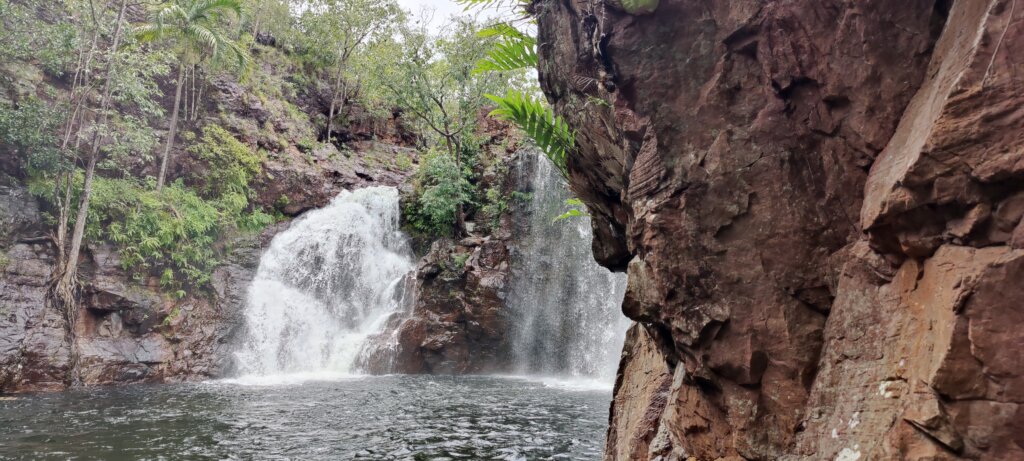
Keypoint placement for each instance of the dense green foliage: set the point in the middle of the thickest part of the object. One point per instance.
(54, 45)
(441, 187)
(231, 165)
(30, 129)
(172, 230)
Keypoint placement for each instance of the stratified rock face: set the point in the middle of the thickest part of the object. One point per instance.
(128, 331)
(819, 205)
(455, 320)
(33, 347)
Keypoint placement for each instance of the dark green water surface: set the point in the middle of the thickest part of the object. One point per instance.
(379, 418)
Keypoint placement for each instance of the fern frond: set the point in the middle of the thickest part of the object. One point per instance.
(508, 55)
(513, 50)
(549, 132)
(501, 29)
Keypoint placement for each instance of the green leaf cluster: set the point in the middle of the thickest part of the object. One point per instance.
(577, 209)
(174, 233)
(171, 231)
(513, 50)
(29, 129)
(441, 188)
(549, 132)
(231, 165)
(197, 30)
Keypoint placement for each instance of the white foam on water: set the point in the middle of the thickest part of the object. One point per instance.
(572, 384)
(289, 379)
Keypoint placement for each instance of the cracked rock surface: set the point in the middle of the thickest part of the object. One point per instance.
(818, 203)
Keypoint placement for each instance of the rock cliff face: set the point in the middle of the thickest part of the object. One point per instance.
(455, 320)
(819, 205)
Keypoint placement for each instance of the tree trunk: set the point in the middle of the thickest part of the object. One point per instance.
(460, 212)
(195, 74)
(66, 284)
(70, 271)
(334, 101)
(199, 100)
(173, 130)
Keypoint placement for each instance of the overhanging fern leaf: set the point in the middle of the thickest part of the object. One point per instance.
(513, 50)
(550, 132)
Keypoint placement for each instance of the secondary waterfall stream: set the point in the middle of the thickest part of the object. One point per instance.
(324, 284)
(568, 319)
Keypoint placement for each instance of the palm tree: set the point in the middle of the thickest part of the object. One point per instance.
(196, 30)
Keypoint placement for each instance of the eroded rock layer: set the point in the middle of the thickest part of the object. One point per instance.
(819, 205)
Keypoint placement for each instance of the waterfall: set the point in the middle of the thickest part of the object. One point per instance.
(565, 308)
(324, 285)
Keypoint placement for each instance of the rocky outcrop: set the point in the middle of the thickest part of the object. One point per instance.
(34, 351)
(818, 206)
(455, 321)
(129, 330)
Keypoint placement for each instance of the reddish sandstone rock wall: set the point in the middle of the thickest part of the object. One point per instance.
(819, 206)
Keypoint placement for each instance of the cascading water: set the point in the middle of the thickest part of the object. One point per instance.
(324, 285)
(566, 309)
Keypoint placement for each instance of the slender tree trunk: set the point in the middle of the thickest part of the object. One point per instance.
(192, 117)
(67, 283)
(454, 151)
(173, 130)
(256, 27)
(70, 272)
(334, 101)
(198, 104)
(199, 100)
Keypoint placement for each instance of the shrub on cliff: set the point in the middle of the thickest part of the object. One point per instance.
(231, 165)
(441, 188)
(171, 232)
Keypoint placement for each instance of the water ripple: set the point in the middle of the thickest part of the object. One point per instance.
(384, 418)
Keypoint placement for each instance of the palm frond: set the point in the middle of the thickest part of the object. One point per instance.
(512, 51)
(214, 9)
(170, 14)
(148, 32)
(203, 37)
(549, 132)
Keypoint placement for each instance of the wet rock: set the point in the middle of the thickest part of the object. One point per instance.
(817, 205)
(455, 321)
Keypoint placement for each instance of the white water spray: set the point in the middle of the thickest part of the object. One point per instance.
(324, 285)
(567, 317)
